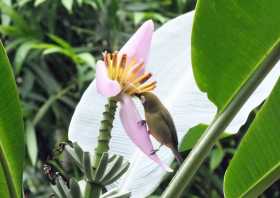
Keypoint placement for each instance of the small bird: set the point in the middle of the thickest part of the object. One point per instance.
(160, 123)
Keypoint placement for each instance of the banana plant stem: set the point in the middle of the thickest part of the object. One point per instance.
(192, 163)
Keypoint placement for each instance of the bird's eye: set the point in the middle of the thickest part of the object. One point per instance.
(143, 100)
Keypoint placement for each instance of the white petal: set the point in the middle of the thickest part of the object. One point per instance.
(170, 62)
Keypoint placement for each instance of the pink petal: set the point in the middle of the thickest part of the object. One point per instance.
(137, 132)
(104, 85)
(139, 44)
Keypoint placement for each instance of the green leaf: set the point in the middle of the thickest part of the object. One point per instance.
(60, 41)
(5, 20)
(68, 4)
(92, 191)
(21, 54)
(54, 50)
(142, 16)
(193, 135)
(87, 166)
(10, 30)
(217, 156)
(64, 48)
(17, 19)
(117, 174)
(80, 2)
(62, 187)
(74, 156)
(256, 164)
(75, 189)
(21, 3)
(46, 106)
(101, 167)
(38, 2)
(78, 151)
(11, 132)
(112, 168)
(87, 58)
(230, 40)
(31, 142)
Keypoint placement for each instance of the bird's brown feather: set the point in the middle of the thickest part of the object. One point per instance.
(170, 123)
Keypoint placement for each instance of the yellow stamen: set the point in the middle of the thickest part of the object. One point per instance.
(131, 90)
(121, 67)
(138, 68)
(108, 62)
(128, 73)
(124, 76)
(114, 65)
(147, 87)
(142, 79)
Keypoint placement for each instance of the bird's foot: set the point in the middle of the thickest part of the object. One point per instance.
(154, 151)
(142, 122)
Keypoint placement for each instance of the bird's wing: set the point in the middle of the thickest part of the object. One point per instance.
(166, 116)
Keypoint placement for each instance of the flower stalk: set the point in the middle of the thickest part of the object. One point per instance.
(103, 140)
(105, 131)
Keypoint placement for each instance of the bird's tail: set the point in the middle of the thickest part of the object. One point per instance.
(177, 155)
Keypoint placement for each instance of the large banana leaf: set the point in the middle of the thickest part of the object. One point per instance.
(11, 132)
(256, 164)
(230, 40)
